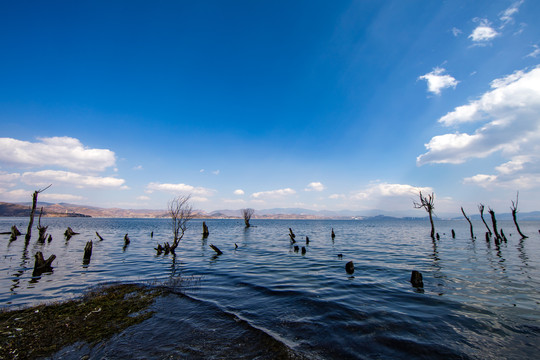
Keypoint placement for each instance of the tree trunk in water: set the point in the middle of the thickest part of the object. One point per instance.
(432, 225)
(41, 265)
(87, 253)
(470, 223)
(514, 216)
(32, 212)
(494, 221)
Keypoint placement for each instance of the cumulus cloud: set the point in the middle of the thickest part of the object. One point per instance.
(238, 192)
(389, 190)
(509, 124)
(15, 195)
(65, 152)
(179, 188)
(315, 186)
(438, 80)
(45, 177)
(273, 193)
(483, 33)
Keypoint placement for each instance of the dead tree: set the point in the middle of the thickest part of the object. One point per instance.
(494, 221)
(469, 220)
(180, 211)
(99, 236)
(427, 202)
(333, 235)
(481, 209)
(41, 265)
(32, 212)
(514, 216)
(42, 229)
(247, 214)
(205, 231)
(416, 279)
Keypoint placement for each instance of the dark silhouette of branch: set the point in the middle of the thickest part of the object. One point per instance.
(514, 216)
(427, 203)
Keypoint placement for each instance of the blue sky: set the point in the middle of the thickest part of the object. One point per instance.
(314, 104)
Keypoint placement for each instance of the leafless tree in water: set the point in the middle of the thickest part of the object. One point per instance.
(514, 216)
(427, 203)
(181, 212)
(247, 213)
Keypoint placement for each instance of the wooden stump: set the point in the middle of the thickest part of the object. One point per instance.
(416, 279)
(304, 250)
(99, 236)
(349, 267)
(307, 240)
(87, 253)
(41, 265)
(333, 234)
(292, 236)
(126, 240)
(453, 234)
(205, 231)
(69, 233)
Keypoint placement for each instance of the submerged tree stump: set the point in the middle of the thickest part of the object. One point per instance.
(349, 267)
(69, 233)
(41, 265)
(292, 236)
(304, 250)
(416, 279)
(453, 234)
(215, 248)
(14, 233)
(205, 231)
(42, 229)
(296, 248)
(333, 234)
(99, 236)
(126, 240)
(49, 239)
(307, 240)
(87, 253)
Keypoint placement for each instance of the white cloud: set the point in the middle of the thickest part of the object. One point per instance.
(483, 33)
(336, 196)
(437, 80)
(138, 167)
(64, 152)
(315, 186)
(59, 197)
(535, 52)
(507, 16)
(9, 180)
(179, 188)
(45, 177)
(143, 198)
(238, 192)
(273, 193)
(389, 190)
(509, 117)
(15, 195)
(456, 31)
(216, 172)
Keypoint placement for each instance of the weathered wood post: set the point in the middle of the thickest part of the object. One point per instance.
(292, 236)
(215, 248)
(99, 236)
(453, 234)
(87, 253)
(333, 235)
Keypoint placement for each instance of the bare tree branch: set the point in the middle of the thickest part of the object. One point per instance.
(181, 212)
(514, 216)
(481, 209)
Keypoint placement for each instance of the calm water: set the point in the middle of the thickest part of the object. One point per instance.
(263, 300)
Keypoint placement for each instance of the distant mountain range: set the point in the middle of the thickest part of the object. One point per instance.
(71, 210)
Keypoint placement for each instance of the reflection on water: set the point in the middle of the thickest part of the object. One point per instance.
(478, 298)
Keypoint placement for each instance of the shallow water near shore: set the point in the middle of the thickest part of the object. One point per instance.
(264, 300)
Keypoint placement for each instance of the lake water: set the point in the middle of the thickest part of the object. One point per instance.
(264, 300)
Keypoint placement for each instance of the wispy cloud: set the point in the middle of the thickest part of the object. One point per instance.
(483, 33)
(508, 117)
(179, 189)
(507, 16)
(45, 177)
(60, 197)
(138, 167)
(315, 186)
(535, 52)
(65, 152)
(438, 80)
(239, 192)
(273, 193)
(456, 32)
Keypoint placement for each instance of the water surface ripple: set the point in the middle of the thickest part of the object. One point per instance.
(265, 300)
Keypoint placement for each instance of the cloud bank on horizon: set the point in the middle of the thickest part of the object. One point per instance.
(333, 110)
